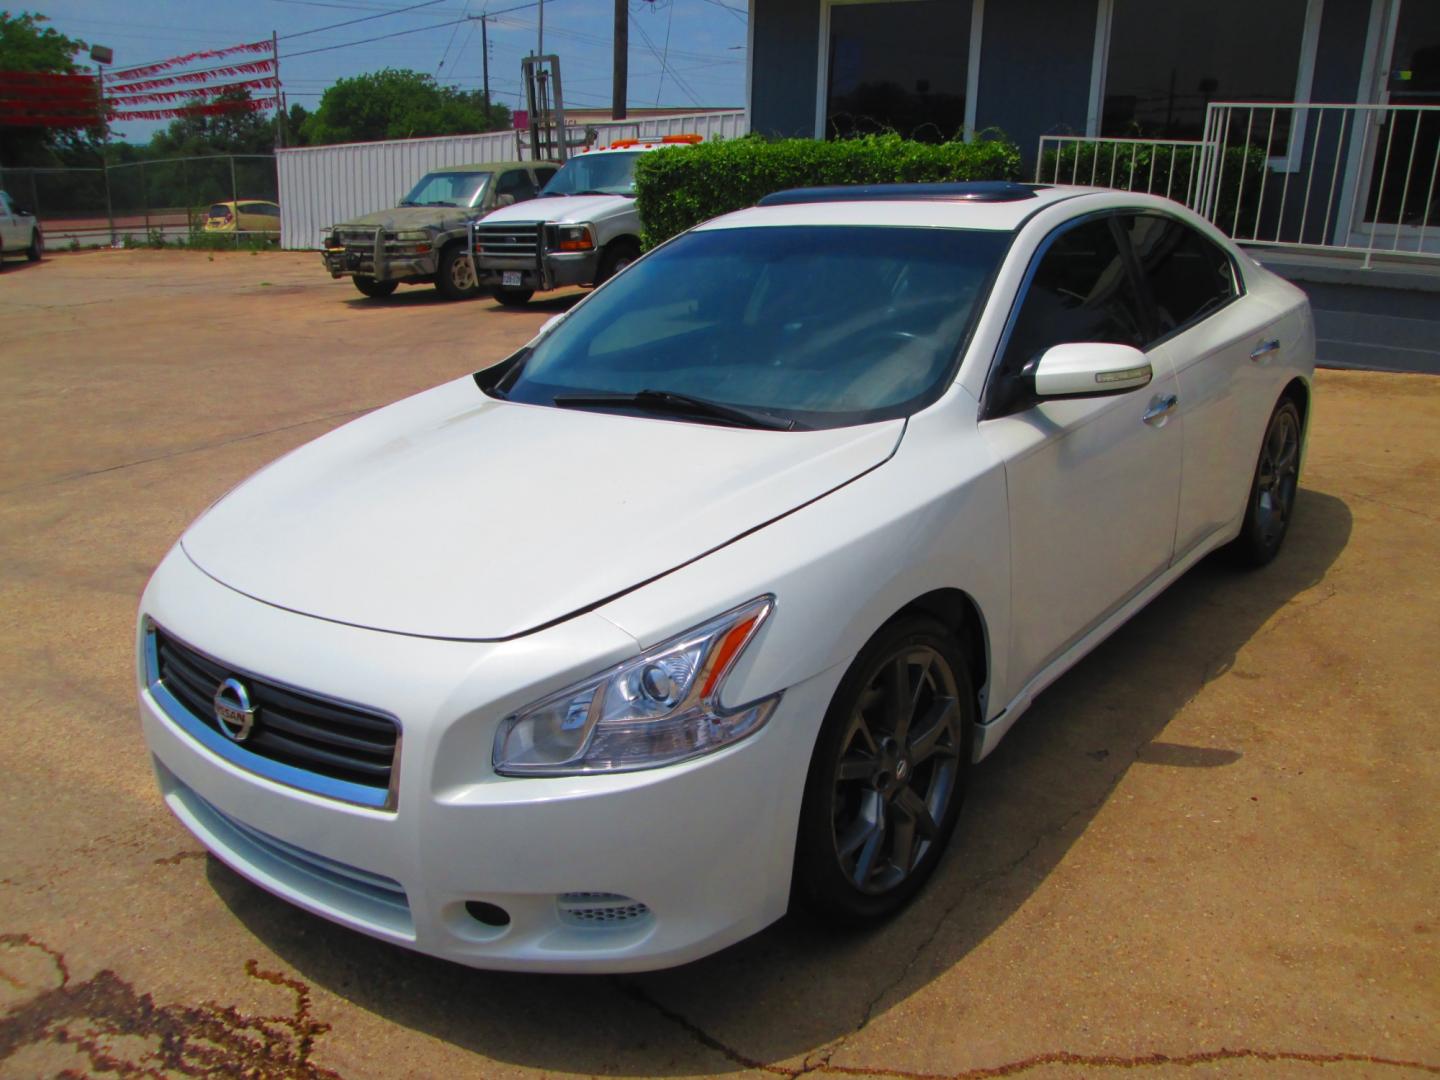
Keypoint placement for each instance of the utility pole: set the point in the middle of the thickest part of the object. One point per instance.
(485, 68)
(540, 50)
(621, 79)
(279, 103)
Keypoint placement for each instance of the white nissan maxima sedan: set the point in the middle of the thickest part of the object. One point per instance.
(705, 602)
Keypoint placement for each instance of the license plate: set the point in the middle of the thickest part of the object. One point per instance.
(510, 277)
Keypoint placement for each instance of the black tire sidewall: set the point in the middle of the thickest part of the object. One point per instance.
(818, 884)
(374, 290)
(1250, 548)
(609, 262)
(513, 297)
(37, 245)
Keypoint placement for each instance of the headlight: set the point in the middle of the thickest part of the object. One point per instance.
(413, 235)
(574, 238)
(657, 709)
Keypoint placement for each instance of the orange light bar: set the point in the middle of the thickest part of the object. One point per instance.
(730, 645)
(688, 139)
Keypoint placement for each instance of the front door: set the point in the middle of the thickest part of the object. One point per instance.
(1094, 487)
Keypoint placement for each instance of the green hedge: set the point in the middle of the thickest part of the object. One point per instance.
(681, 187)
(1162, 170)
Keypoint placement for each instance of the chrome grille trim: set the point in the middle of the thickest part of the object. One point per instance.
(304, 740)
(511, 240)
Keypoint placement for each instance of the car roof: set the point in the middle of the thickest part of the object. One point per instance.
(916, 205)
(491, 166)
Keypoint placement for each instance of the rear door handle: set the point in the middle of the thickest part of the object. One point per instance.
(1265, 348)
(1155, 415)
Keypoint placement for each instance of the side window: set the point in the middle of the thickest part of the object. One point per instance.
(4, 203)
(1081, 291)
(516, 182)
(542, 176)
(1187, 274)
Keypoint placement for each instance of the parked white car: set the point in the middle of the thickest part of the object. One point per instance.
(709, 597)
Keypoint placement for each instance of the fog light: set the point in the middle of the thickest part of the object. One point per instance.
(489, 914)
(599, 909)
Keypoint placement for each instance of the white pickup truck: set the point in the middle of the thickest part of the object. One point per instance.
(19, 232)
(582, 228)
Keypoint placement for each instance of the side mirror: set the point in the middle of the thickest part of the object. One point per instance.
(504, 200)
(1089, 368)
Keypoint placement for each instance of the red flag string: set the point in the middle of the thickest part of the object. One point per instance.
(267, 83)
(190, 58)
(253, 67)
(212, 109)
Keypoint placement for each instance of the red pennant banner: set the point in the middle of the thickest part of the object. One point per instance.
(213, 109)
(253, 67)
(190, 58)
(267, 83)
(41, 99)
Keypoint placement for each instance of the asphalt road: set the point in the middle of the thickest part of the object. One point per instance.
(1210, 850)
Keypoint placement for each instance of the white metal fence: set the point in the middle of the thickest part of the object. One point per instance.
(1353, 178)
(322, 185)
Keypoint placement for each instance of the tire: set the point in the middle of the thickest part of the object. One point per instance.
(513, 297)
(37, 245)
(617, 256)
(1272, 490)
(456, 280)
(375, 290)
(880, 801)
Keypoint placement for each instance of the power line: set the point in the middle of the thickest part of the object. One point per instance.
(363, 18)
(402, 33)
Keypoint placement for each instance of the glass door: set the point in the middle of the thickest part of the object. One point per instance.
(1402, 155)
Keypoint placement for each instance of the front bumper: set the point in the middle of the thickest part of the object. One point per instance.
(557, 270)
(345, 262)
(702, 850)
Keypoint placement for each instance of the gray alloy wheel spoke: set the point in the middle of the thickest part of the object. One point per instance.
(856, 768)
(869, 820)
(902, 845)
(897, 695)
(909, 803)
(870, 850)
(860, 727)
(925, 742)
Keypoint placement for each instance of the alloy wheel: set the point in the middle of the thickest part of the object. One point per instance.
(1278, 476)
(896, 773)
(462, 274)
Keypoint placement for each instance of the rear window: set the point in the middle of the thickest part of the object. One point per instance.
(219, 210)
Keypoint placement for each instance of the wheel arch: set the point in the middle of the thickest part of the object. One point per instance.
(1298, 391)
(958, 612)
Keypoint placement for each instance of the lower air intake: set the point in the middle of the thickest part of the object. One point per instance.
(595, 909)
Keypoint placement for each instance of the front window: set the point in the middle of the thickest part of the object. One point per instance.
(815, 326)
(448, 189)
(898, 67)
(610, 173)
(1168, 61)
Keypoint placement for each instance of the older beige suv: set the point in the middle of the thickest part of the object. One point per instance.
(425, 239)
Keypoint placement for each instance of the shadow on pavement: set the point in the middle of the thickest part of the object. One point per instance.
(795, 987)
(424, 295)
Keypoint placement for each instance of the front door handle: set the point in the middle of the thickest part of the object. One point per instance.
(1160, 410)
(1265, 348)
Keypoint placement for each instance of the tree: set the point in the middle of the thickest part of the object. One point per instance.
(241, 131)
(28, 45)
(398, 104)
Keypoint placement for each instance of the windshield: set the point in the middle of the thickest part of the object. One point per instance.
(448, 189)
(821, 325)
(595, 174)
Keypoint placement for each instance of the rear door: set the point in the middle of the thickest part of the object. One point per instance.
(1093, 482)
(1219, 344)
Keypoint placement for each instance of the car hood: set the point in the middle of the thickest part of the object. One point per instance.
(413, 217)
(455, 515)
(571, 209)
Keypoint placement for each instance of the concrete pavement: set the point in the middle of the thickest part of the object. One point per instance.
(1213, 849)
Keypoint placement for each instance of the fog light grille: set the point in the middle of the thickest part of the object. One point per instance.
(600, 909)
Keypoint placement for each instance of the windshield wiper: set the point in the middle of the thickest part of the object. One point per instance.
(668, 401)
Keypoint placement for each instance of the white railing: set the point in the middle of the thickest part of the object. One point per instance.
(1168, 167)
(1351, 178)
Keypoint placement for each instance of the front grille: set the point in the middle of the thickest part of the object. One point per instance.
(514, 240)
(291, 727)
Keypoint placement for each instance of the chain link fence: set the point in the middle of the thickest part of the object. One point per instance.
(213, 201)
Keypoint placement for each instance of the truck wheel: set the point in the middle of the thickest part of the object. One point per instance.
(456, 280)
(376, 290)
(513, 297)
(616, 258)
(37, 245)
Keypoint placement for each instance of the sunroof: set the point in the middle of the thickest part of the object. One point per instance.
(990, 191)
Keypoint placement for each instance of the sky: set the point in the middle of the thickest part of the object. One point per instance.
(704, 58)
